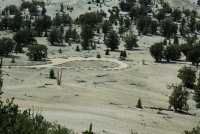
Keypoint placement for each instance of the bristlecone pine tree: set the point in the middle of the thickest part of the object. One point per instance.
(196, 96)
(125, 55)
(198, 2)
(188, 76)
(165, 42)
(139, 103)
(112, 40)
(107, 52)
(131, 41)
(77, 48)
(178, 99)
(52, 74)
(17, 121)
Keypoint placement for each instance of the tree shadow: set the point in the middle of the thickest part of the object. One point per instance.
(172, 62)
(59, 45)
(185, 113)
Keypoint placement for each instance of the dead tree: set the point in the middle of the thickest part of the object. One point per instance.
(59, 77)
(48, 2)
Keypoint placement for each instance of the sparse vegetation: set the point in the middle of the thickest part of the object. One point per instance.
(37, 52)
(188, 76)
(156, 51)
(59, 77)
(52, 74)
(17, 121)
(169, 34)
(139, 103)
(112, 40)
(196, 95)
(178, 99)
(6, 46)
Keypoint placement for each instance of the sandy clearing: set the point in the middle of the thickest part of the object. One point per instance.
(60, 61)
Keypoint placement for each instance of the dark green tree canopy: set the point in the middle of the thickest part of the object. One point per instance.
(192, 24)
(87, 32)
(25, 37)
(15, 23)
(91, 19)
(44, 22)
(187, 75)
(37, 52)
(172, 52)
(131, 41)
(176, 14)
(143, 24)
(4, 22)
(178, 99)
(112, 40)
(105, 27)
(195, 130)
(185, 48)
(66, 19)
(57, 20)
(126, 6)
(133, 13)
(194, 56)
(33, 9)
(55, 37)
(87, 35)
(153, 27)
(156, 51)
(6, 46)
(145, 2)
(187, 12)
(196, 95)
(12, 9)
(71, 34)
(166, 7)
(161, 15)
(168, 28)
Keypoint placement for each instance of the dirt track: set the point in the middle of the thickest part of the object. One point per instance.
(59, 61)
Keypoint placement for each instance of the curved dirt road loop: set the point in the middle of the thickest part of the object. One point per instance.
(60, 61)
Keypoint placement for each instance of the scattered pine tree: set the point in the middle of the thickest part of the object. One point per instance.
(139, 103)
(125, 55)
(196, 96)
(107, 52)
(165, 42)
(13, 60)
(52, 74)
(77, 48)
(121, 54)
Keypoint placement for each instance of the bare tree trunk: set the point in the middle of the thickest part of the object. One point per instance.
(59, 77)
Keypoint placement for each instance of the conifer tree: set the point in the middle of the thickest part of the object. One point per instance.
(77, 48)
(165, 42)
(52, 74)
(112, 40)
(125, 55)
(107, 52)
(13, 60)
(198, 2)
(196, 96)
(139, 103)
(176, 40)
(121, 54)
(178, 99)
(187, 75)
